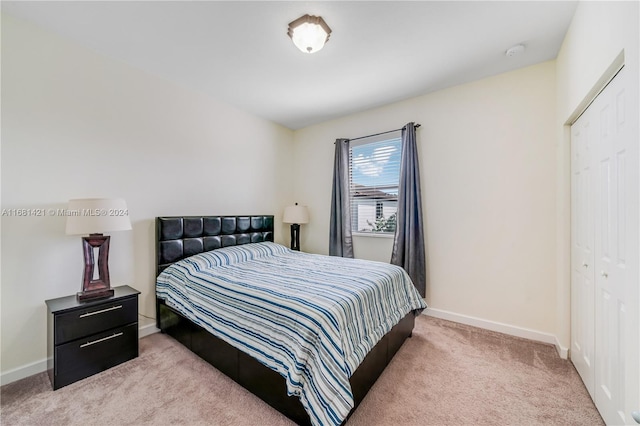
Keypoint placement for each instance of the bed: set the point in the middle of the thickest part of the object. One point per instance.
(308, 334)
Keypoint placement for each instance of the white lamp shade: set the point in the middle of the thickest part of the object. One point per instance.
(97, 215)
(309, 38)
(296, 214)
(309, 33)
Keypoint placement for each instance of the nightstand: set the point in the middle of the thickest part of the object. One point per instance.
(85, 338)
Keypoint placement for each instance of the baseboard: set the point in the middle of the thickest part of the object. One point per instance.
(23, 372)
(147, 329)
(40, 366)
(511, 330)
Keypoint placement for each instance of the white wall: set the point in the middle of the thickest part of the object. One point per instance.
(599, 32)
(487, 158)
(76, 124)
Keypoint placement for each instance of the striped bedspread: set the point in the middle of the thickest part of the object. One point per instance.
(311, 318)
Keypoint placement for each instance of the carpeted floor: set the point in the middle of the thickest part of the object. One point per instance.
(446, 374)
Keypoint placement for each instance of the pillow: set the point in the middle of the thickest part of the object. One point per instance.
(234, 254)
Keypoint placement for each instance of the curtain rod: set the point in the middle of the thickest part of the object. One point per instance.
(383, 133)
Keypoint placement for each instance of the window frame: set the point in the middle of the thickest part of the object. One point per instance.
(392, 137)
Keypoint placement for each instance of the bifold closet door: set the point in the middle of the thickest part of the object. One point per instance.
(605, 184)
(582, 252)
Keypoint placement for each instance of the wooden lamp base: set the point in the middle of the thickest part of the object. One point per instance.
(295, 236)
(100, 287)
(84, 296)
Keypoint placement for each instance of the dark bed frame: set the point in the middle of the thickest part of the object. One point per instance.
(178, 237)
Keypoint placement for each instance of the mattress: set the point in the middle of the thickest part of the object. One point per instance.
(311, 318)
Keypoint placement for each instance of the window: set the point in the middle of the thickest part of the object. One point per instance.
(374, 172)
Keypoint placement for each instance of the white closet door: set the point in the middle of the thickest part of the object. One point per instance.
(605, 300)
(616, 248)
(582, 253)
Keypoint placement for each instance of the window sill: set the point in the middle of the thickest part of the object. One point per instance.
(372, 235)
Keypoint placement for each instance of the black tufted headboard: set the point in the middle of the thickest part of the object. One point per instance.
(178, 237)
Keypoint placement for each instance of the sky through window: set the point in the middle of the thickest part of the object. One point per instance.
(377, 164)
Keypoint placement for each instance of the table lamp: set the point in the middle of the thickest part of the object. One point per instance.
(296, 215)
(94, 216)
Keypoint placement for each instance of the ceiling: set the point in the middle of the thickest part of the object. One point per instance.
(379, 52)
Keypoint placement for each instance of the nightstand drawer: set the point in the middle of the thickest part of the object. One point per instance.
(90, 355)
(94, 319)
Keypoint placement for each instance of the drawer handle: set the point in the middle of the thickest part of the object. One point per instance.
(101, 340)
(88, 314)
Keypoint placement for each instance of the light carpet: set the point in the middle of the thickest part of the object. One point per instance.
(446, 374)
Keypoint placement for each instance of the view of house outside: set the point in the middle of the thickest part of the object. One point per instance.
(374, 175)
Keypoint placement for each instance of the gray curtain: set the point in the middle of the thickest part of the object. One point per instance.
(340, 240)
(408, 242)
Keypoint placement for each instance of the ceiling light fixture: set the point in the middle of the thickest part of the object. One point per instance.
(309, 33)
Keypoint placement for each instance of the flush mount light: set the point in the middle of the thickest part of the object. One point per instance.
(309, 33)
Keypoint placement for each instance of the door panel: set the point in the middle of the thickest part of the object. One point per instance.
(609, 389)
(582, 286)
